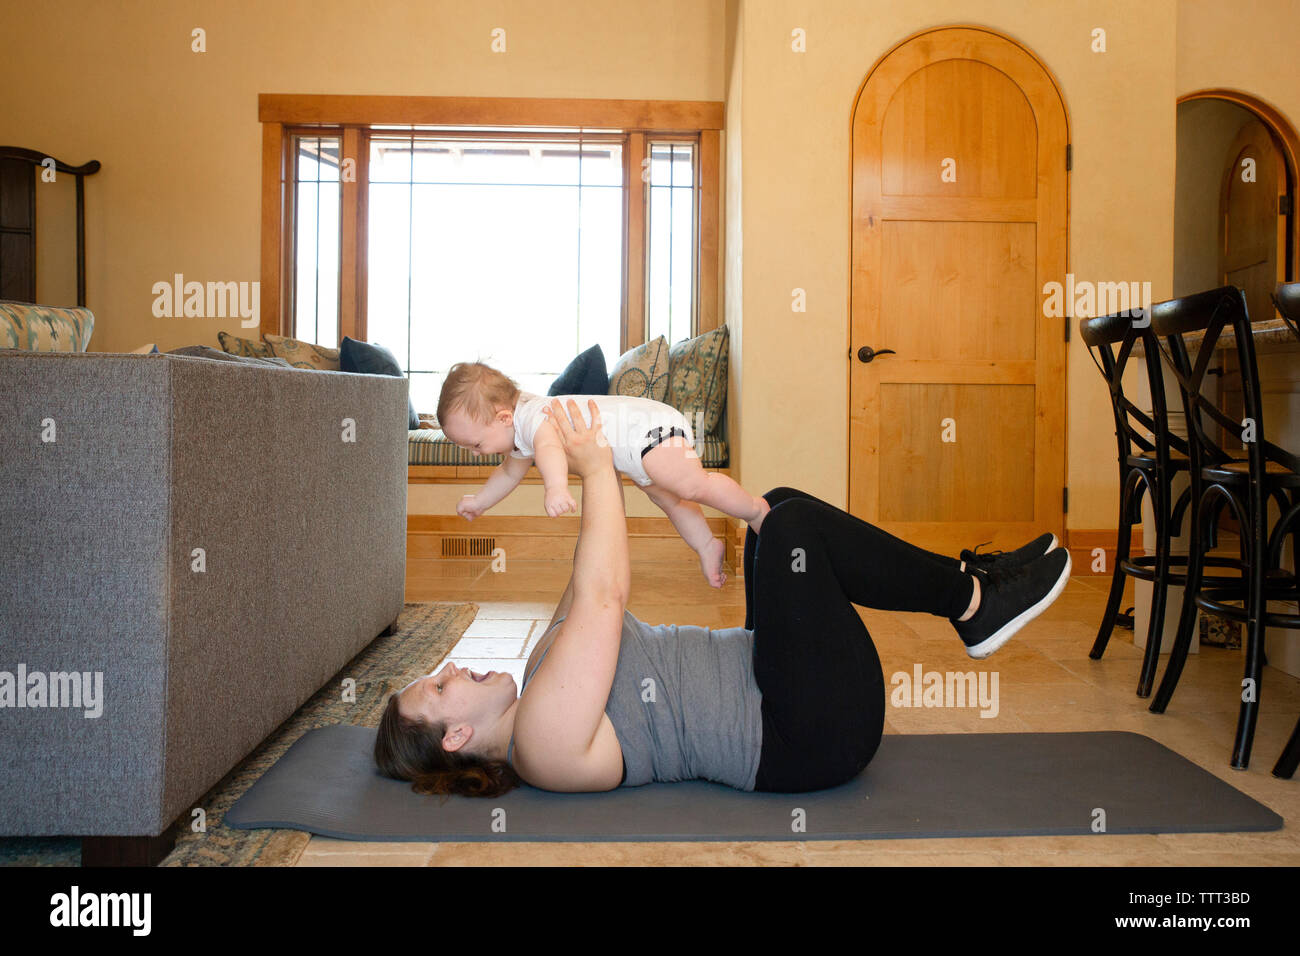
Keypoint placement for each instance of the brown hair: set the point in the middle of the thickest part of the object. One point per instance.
(476, 389)
(412, 750)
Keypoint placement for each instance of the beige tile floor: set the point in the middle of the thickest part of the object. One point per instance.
(1047, 682)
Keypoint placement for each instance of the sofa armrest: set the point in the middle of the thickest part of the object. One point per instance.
(212, 538)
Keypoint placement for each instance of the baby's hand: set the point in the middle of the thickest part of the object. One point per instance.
(560, 501)
(468, 508)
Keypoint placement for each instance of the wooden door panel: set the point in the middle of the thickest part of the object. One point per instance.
(958, 290)
(950, 274)
(1249, 221)
(985, 473)
(968, 112)
(1258, 282)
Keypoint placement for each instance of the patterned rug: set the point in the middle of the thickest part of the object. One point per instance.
(424, 635)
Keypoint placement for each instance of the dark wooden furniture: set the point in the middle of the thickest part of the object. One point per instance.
(1147, 465)
(19, 171)
(1242, 480)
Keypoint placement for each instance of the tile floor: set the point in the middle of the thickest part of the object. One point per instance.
(1047, 682)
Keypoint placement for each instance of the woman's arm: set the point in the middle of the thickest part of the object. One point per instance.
(566, 600)
(562, 737)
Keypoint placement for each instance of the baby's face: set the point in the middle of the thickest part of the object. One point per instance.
(496, 437)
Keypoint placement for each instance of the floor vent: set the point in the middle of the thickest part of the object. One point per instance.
(468, 547)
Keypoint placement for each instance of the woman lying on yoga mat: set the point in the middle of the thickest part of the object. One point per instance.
(793, 701)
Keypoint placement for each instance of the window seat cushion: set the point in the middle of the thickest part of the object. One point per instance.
(429, 446)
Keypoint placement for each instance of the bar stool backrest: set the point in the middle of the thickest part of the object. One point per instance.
(1212, 312)
(1113, 337)
(1287, 300)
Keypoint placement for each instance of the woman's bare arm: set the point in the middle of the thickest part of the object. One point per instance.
(566, 599)
(559, 722)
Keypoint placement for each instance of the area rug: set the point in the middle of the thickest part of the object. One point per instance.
(424, 635)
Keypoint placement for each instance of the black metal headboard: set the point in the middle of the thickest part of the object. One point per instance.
(11, 154)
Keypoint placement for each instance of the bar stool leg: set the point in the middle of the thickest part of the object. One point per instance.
(1290, 759)
(1122, 546)
(1251, 685)
(1187, 616)
(1159, 589)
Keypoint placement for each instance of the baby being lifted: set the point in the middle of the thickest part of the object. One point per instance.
(482, 410)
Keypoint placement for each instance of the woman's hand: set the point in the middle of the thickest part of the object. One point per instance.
(585, 445)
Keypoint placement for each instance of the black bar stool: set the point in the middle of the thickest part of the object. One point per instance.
(1287, 300)
(1146, 465)
(1243, 481)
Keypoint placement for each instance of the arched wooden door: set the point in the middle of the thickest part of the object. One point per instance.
(1252, 224)
(959, 220)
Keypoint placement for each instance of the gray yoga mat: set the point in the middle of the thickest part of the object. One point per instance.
(917, 785)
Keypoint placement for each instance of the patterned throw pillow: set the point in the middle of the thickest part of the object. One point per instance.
(246, 348)
(642, 372)
(697, 379)
(303, 354)
(41, 328)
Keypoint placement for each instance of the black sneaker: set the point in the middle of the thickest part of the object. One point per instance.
(1009, 559)
(1010, 598)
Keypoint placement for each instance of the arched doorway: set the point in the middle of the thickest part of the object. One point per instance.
(959, 166)
(1235, 224)
(1234, 218)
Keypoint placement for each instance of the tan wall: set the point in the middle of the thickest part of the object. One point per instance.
(796, 143)
(177, 131)
(56, 239)
(733, 224)
(1247, 46)
(178, 135)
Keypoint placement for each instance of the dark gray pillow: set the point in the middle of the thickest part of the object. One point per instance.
(370, 359)
(585, 375)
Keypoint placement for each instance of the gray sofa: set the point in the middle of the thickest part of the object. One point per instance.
(154, 456)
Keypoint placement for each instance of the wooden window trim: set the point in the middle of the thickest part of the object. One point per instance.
(282, 113)
(351, 272)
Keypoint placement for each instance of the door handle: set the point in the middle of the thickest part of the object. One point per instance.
(867, 353)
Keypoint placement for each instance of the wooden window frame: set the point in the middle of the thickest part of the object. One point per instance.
(284, 115)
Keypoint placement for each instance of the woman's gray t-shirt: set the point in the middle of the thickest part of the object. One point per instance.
(685, 705)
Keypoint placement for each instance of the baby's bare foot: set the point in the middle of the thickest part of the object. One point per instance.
(711, 562)
(764, 509)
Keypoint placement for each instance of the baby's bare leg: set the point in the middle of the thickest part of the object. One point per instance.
(693, 527)
(672, 465)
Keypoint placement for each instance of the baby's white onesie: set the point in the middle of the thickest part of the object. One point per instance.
(630, 424)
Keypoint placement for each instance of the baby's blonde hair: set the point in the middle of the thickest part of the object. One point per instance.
(476, 389)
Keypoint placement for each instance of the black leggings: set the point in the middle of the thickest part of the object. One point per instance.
(819, 673)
